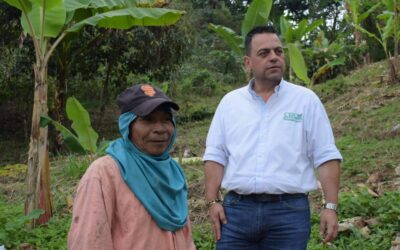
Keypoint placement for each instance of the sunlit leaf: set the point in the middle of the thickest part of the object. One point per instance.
(297, 63)
(81, 124)
(55, 16)
(286, 30)
(26, 4)
(257, 14)
(127, 18)
(230, 37)
(70, 140)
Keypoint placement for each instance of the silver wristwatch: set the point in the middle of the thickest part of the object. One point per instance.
(331, 206)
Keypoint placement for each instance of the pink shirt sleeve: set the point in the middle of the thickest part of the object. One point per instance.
(91, 223)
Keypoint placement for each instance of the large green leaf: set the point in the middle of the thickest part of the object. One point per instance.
(46, 3)
(364, 15)
(109, 4)
(230, 37)
(390, 4)
(105, 5)
(300, 30)
(354, 10)
(27, 5)
(127, 18)
(388, 30)
(297, 63)
(304, 28)
(372, 35)
(101, 150)
(71, 5)
(257, 14)
(81, 124)
(286, 30)
(325, 68)
(54, 21)
(70, 140)
(313, 26)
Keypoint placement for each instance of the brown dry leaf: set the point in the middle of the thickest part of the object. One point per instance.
(397, 170)
(345, 226)
(70, 201)
(365, 231)
(396, 243)
(373, 193)
(372, 221)
(357, 221)
(375, 178)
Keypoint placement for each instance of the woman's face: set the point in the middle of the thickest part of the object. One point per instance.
(152, 133)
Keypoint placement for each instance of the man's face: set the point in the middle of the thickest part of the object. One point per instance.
(152, 133)
(266, 60)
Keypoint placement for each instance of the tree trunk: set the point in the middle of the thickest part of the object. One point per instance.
(213, 3)
(104, 94)
(396, 29)
(392, 63)
(38, 174)
(59, 105)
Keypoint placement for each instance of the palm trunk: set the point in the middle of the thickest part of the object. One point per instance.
(59, 105)
(392, 62)
(38, 174)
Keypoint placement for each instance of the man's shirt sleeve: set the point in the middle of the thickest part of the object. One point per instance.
(215, 144)
(321, 142)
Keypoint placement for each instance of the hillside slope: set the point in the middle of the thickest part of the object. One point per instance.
(365, 115)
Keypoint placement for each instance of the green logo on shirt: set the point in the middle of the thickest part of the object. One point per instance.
(294, 117)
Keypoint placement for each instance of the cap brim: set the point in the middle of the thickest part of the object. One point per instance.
(148, 106)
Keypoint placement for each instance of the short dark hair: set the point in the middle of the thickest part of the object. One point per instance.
(254, 31)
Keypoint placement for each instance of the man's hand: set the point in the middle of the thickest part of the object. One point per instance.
(329, 225)
(217, 216)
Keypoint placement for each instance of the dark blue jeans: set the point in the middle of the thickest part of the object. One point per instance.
(265, 222)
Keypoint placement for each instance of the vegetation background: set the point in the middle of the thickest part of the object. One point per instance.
(196, 68)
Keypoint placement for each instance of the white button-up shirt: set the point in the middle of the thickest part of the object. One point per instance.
(274, 146)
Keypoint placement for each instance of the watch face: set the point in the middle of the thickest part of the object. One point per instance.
(331, 206)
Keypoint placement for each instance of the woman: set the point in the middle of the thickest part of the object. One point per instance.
(135, 197)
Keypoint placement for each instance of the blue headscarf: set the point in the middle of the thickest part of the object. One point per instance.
(157, 181)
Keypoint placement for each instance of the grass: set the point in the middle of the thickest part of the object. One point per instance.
(363, 110)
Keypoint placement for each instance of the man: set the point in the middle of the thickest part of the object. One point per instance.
(264, 143)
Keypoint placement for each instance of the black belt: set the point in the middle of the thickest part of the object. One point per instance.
(267, 197)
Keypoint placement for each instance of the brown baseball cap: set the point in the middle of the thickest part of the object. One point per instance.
(142, 99)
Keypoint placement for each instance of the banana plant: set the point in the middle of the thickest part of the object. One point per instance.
(355, 18)
(389, 28)
(84, 140)
(329, 53)
(292, 37)
(47, 22)
(391, 18)
(257, 14)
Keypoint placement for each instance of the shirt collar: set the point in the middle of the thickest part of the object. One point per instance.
(277, 90)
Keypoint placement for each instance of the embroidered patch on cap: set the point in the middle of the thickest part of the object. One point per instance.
(148, 90)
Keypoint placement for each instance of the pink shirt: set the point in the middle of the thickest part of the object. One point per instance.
(107, 215)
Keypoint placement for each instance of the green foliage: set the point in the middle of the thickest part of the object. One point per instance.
(81, 124)
(126, 18)
(203, 237)
(13, 231)
(292, 38)
(85, 138)
(75, 167)
(256, 15)
(234, 41)
(297, 62)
